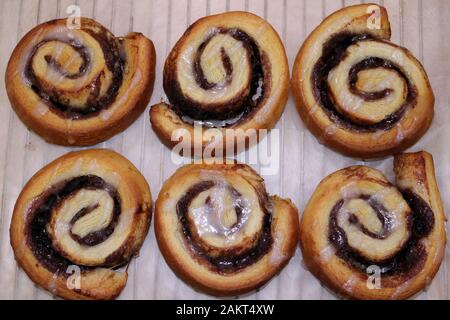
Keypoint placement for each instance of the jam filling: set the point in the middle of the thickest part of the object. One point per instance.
(334, 51)
(409, 260)
(234, 110)
(382, 214)
(40, 213)
(234, 258)
(95, 103)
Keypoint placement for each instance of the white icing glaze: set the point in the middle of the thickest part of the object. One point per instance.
(331, 129)
(106, 114)
(350, 190)
(400, 134)
(277, 254)
(53, 284)
(400, 289)
(327, 253)
(41, 109)
(373, 248)
(350, 284)
(77, 166)
(211, 220)
(93, 165)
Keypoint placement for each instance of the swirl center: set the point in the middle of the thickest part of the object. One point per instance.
(223, 228)
(76, 73)
(361, 82)
(68, 223)
(382, 229)
(218, 78)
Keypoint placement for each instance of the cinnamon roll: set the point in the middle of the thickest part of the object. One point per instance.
(227, 71)
(368, 239)
(79, 86)
(78, 220)
(356, 91)
(220, 231)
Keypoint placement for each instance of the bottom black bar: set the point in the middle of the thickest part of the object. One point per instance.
(221, 309)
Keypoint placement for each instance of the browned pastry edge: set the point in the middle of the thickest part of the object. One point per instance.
(346, 146)
(164, 120)
(180, 270)
(97, 133)
(166, 139)
(96, 283)
(424, 179)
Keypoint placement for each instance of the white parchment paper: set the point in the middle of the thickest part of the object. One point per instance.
(421, 26)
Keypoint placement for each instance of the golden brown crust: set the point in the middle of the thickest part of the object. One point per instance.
(340, 135)
(131, 100)
(193, 268)
(98, 281)
(423, 238)
(220, 101)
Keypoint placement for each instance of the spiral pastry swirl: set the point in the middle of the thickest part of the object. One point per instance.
(357, 92)
(227, 71)
(367, 239)
(219, 230)
(79, 86)
(78, 220)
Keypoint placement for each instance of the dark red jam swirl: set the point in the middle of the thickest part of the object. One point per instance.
(382, 214)
(409, 260)
(96, 102)
(41, 211)
(237, 108)
(333, 52)
(232, 259)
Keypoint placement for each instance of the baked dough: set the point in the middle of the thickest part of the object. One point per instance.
(219, 230)
(368, 239)
(227, 71)
(79, 87)
(356, 91)
(77, 220)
